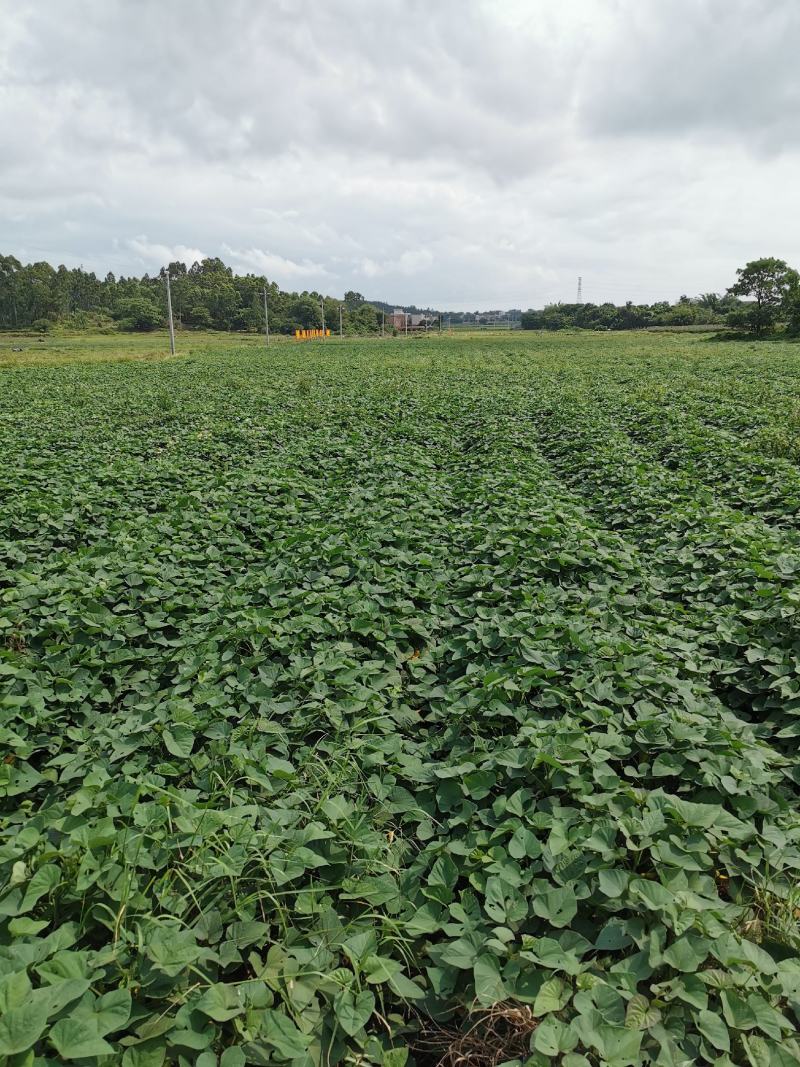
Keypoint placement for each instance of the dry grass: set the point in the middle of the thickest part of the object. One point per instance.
(54, 349)
(489, 1036)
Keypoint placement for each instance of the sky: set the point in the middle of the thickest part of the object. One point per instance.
(457, 154)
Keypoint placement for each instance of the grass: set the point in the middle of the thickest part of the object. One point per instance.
(26, 348)
(53, 349)
(392, 701)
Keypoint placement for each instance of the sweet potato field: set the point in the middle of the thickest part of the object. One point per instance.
(404, 702)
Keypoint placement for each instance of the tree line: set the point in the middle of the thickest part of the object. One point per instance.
(205, 295)
(208, 295)
(766, 293)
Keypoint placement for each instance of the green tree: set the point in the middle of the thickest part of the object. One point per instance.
(138, 313)
(199, 316)
(770, 284)
(10, 268)
(305, 312)
(793, 316)
(709, 301)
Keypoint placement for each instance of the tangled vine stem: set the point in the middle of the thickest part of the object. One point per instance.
(489, 1037)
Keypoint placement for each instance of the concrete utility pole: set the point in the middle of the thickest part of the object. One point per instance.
(171, 324)
(322, 306)
(383, 322)
(341, 335)
(266, 315)
(440, 323)
(406, 316)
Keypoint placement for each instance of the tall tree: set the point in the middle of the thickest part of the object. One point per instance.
(771, 284)
(352, 300)
(709, 300)
(10, 267)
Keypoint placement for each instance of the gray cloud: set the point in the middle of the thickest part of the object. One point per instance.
(717, 69)
(464, 153)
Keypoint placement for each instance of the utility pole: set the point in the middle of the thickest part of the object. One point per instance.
(406, 318)
(440, 322)
(383, 322)
(580, 291)
(322, 306)
(341, 335)
(171, 324)
(266, 315)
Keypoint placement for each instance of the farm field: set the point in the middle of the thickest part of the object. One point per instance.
(390, 702)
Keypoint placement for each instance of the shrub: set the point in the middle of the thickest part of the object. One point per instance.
(137, 313)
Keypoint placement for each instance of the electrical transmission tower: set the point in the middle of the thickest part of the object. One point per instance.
(580, 291)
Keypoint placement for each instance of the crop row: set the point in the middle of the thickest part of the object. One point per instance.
(343, 698)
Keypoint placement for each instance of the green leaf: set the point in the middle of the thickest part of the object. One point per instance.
(614, 935)
(22, 1026)
(489, 987)
(360, 946)
(714, 1030)
(380, 968)
(503, 903)
(112, 1011)
(78, 1039)
(395, 1057)
(405, 988)
(553, 995)
(654, 895)
(179, 740)
(552, 1036)
(15, 989)
(687, 953)
(194, 1036)
(25, 927)
(232, 1057)
(738, 1013)
(763, 1053)
(281, 1034)
(443, 873)
(767, 1018)
(338, 809)
(246, 932)
(220, 1002)
(43, 882)
(640, 1015)
(353, 1011)
(558, 906)
(426, 920)
(524, 843)
(146, 1054)
(620, 1046)
(613, 883)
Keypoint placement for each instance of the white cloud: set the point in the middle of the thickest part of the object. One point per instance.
(283, 270)
(413, 261)
(463, 153)
(154, 254)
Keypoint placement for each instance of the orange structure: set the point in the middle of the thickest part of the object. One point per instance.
(310, 335)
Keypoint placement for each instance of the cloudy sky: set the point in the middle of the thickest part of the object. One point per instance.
(456, 153)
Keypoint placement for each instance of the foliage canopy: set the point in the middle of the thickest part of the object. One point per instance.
(346, 688)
